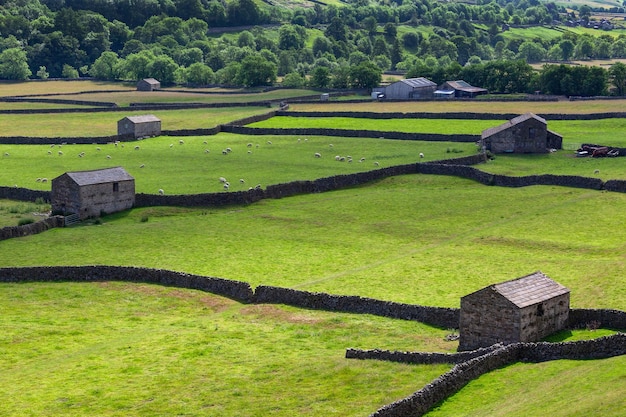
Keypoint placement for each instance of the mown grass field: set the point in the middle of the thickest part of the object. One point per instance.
(116, 349)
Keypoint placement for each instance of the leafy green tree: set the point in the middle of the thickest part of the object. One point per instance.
(321, 46)
(531, 52)
(289, 37)
(370, 25)
(105, 67)
(340, 76)
(163, 69)
(256, 71)
(243, 13)
(137, 66)
(293, 80)
(365, 75)
(411, 40)
(43, 73)
(69, 72)
(199, 74)
(320, 78)
(617, 76)
(567, 49)
(246, 38)
(14, 65)
(337, 30)
(188, 56)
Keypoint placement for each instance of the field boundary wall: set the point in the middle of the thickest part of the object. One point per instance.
(423, 400)
(10, 232)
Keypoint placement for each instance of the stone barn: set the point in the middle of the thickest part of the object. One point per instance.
(525, 309)
(137, 127)
(148, 84)
(527, 133)
(91, 193)
(410, 89)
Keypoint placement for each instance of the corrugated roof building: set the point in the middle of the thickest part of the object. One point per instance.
(92, 193)
(410, 89)
(525, 309)
(137, 127)
(459, 88)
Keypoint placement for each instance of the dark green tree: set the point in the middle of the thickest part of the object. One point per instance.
(365, 75)
(14, 65)
(256, 71)
(617, 76)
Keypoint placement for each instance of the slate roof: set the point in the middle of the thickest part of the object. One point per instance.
(514, 121)
(100, 176)
(152, 81)
(418, 82)
(531, 289)
(143, 118)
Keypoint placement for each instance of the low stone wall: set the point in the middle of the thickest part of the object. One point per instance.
(351, 133)
(434, 316)
(32, 140)
(423, 358)
(23, 194)
(236, 290)
(420, 402)
(607, 319)
(252, 119)
(32, 228)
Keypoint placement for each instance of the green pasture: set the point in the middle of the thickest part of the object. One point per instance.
(418, 239)
(12, 212)
(189, 169)
(116, 349)
(105, 123)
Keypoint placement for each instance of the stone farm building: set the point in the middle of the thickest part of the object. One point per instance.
(527, 133)
(148, 84)
(458, 89)
(91, 193)
(138, 127)
(525, 309)
(410, 89)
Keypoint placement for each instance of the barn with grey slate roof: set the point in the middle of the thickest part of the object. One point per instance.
(525, 309)
(91, 193)
(148, 84)
(137, 127)
(527, 133)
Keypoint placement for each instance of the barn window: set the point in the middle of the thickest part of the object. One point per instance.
(539, 310)
(116, 187)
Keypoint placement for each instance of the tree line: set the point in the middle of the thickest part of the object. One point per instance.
(320, 46)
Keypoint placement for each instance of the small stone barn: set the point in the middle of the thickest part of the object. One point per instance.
(525, 309)
(148, 84)
(410, 89)
(91, 193)
(527, 133)
(137, 127)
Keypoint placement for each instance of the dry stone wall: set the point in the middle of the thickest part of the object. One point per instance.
(32, 228)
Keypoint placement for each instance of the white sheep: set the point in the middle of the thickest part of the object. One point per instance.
(226, 186)
(249, 145)
(249, 151)
(38, 180)
(241, 180)
(141, 166)
(161, 192)
(421, 155)
(205, 142)
(342, 159)
(60, 152)
(206, 151)
(171, 144)
(223, 180)
(376, 163)
(181, 142)
(318, 155)
(137, 147)
(49, 152)
(108, 156)
(224, 152)
(98, 148)
(362, 159)
(597, 171)
(337, 157)
(330, 145)
(269, 142)
(229, 150)
(258, 187)
(44, 180)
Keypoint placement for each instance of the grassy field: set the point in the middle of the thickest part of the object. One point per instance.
(188, 169)
(148, 350)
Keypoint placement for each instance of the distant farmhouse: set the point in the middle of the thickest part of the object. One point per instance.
(139, 126)
(527, 133)
(409, 89)
(91, 193)
(458, 89)
(148, 84)
(526, 309)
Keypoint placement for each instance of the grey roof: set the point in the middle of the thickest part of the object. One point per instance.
(514, 121)
(531, 289)
(418, 82)
(143, 118)
(151, 80)
(464, 86)
(100, 176)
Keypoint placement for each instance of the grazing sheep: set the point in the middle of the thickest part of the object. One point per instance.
(116, 143)
(38, 180)
(226, 186)
(137, 147)
(6, 154)
(181, 142)
(330, 145)
(318, 155)
(257, 145)
(241, 180)
(161, 192)
(597, 171)
(206, 151)
(229, 150)
(298, 140)
(421, 155)
(376, 163)
(205, 142)
(362, 159)
(249, 145)
(108, 156)
(306, 140)
(60, 152)
(98, 148)
(224, 152)
(249, 151)
(269, 142)
(349, 159)
(223, 180)
(171, 144)
(337, 157)
(44, 180)
(49, 152)
(52, 146)
(258, 187)
(342, 159)
(142, 165)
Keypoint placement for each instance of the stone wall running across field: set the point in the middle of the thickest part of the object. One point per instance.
(31, 228)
